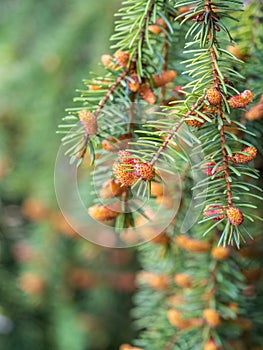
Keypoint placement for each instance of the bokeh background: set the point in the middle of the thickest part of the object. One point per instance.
(57, 291)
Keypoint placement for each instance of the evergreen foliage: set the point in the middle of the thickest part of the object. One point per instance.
(199, 288)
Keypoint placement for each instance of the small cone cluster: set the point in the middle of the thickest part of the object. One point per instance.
(235, 216)
(103, 212)
(241, 100)
(212, 318)
(243, 158)
(216, 212)
(123, 170)
(147, 94)
(128, 170)
(166, 77)
(213, 96)
(88, 121)
(191, 244)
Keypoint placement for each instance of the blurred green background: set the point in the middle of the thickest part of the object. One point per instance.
(57, 291)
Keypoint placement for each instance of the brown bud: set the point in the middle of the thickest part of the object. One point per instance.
(31, 283)
(103, 212)
(191, 244)
(155, 281)
(124, 175)
(220, 253)
(156, 189)
(128, 347)
(212, 317)
(165, 78)
(122, 58)
(111, 189)
(88, 121)
(147, 94)
(107, 61)
(241, 100)
(183, 280)
(211, 345)
(154, 28)
(235, 216)
(144, 170)
(214, 96)
(236, 51)
(194, 122)
(243, 158)
(34, 210)
(253, 275)
(255, 112)
(134, 84)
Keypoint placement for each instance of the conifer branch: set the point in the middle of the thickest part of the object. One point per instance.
(174, 131)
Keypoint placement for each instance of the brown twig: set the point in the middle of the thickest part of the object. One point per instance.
(217, 84)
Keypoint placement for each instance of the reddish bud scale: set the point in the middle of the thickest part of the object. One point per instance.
(126, 157)
(213, 96)
(144, 170)
(147, 94)
(88, 121)
(208, 167)
(165, 78)
(242, 158)
(241, 100)
(235, 216)
(212, 210)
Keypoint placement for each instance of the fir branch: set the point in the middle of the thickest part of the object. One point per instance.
(174, 131)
